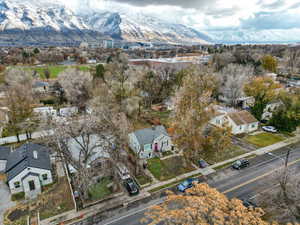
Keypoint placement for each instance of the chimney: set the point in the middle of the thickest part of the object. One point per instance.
(35, 154)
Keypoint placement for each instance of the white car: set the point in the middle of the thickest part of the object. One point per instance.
(270, 129)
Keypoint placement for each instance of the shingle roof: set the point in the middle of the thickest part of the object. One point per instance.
(22, 158)
(4, 152)
(147, 135)
(242, 117)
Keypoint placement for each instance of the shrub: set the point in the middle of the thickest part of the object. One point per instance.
(18, 196)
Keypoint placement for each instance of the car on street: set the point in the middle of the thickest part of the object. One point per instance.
(269, 129)
(188, 183)
(241, 163)
(131, 186)
(202, 163)
(248, 203)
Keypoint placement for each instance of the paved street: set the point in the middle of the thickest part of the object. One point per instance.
(246, 183)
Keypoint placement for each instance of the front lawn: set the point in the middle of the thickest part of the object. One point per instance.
(168, 168)
(264, 139)
(55, 200)
(143, 179)
(229, 153)
(100, 190)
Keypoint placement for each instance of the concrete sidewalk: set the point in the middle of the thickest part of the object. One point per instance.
(211, 169)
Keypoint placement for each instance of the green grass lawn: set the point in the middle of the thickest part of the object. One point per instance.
(100, 190)
(54, 70)
(168, 168)
(143, 179)
(264, 139)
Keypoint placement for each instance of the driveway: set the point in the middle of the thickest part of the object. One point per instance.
(5, 202)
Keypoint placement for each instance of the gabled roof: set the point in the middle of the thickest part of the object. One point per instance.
(4, 152)
(23, 157)
(242, 117)
(147, 135)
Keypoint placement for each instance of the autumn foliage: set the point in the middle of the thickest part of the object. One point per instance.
(206, 206)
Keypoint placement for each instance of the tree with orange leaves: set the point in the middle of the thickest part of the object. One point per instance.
(193, 101)
(202, 205)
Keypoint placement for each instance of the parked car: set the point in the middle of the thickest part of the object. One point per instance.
(202, 163)
(269, 129)
(188, 183)
(123, 172)
(247, 203)
(239, 164)
(131, 186)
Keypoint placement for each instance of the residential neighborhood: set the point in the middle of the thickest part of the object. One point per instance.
(106, 135)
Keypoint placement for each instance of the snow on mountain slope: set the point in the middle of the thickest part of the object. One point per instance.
(255, 36)
(28, 15)
(141, 27)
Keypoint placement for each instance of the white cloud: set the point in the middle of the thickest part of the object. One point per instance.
(204, 14)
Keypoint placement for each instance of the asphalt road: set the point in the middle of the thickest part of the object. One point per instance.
(247, 183)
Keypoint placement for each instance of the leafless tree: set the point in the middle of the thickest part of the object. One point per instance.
(292, 56)
(77, 86)
(85, 143)
(232, 80)
(19, 100)
(282, 203)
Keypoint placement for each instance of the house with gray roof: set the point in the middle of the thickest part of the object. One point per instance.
(28, 168)
(147, 142)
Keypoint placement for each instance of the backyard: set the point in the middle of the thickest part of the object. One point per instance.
(168, 168)
(264, 139)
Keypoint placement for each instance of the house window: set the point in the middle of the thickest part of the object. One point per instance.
(45, 176)
(241, 127)
(218, 122)
(17, 184)
(253, 125)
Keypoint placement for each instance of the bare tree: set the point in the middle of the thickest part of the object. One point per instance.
(232, 80)
(292, 56)
(77, 86)
(19, 100)
(283, 201)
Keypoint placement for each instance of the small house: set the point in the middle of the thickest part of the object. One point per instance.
(149, 141)
(28, 168)
(68, 111)
(270, 108)
(45, 112)
(240, 121)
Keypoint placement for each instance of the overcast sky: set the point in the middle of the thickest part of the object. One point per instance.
(210, 14)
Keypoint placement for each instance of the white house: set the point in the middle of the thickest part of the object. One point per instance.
(147, 142)
(270, 109)
(45, 111)
(240, 122)
(68, 111)
(28, 168)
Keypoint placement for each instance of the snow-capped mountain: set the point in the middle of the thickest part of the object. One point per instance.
(255, 36)
(42, 20)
